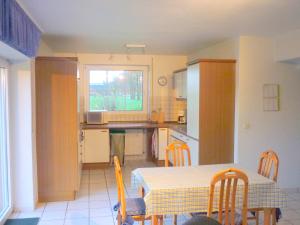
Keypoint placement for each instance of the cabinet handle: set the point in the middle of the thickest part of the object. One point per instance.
(103, 131)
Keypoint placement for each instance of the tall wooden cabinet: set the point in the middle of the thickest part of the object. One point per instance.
(210, 109)
(56, 128)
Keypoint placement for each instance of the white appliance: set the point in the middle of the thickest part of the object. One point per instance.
(95, 117)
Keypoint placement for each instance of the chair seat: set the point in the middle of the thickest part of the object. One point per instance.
(201, 220)
(135, 206)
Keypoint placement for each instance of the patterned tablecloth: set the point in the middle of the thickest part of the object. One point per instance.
(177, 190)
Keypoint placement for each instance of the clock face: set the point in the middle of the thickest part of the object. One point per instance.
(162, 81)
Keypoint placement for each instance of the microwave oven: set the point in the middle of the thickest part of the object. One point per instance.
(95, 117)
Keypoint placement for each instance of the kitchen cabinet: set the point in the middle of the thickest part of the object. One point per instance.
(96, 146)
(180, 84)
(57, 128)
(192, 143)
(210, 109)
(162, 142)
(134, 142)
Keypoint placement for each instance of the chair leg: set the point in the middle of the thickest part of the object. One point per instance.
(257, 217)
(175, 220)
(142, 222)
(274, 217)
(161, 220)
(119, 218)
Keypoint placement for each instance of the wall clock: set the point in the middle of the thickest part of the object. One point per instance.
(162, 81)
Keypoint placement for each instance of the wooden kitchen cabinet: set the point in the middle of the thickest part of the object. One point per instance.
(210, 109)
(96, 146)
(180, 83)
(57, 128)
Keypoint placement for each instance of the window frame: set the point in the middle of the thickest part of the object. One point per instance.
(145, 87)
(7, 153)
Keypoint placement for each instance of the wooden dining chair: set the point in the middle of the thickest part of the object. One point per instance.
(178, 151)
(129, 208)
(268, 167)
(227, 183)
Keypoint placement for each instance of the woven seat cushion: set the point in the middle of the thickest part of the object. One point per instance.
(201, 220)
(135, 206)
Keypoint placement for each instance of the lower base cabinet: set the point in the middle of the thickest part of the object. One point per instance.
(96, 146)
(191, 142)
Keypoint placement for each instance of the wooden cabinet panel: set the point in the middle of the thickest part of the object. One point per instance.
(57, 127)
(217, 100)
(96, 146)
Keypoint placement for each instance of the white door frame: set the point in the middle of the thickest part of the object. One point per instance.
(4, 64)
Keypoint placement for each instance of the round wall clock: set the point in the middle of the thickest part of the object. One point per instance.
(162, 81)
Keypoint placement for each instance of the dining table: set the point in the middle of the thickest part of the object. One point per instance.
(185, 190)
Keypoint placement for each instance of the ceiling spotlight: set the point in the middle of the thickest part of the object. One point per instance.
(135, 46)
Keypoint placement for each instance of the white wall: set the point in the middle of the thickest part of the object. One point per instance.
(287, 47)
(277, 130)
(21, 143)
(228, 49)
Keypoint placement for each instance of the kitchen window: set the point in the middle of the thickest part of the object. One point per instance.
(117, 88)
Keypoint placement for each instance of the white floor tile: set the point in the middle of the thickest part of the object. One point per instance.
(99, 204)
(30, 214)
(100, 212)
(78, 205)
(102, 221)
(77, 221)
(80, 213)
(53, 215)
(51, 222)
(56, 206)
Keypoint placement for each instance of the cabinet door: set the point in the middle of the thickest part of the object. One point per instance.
(96, 146)
(134, 142)
(184, 84)
(162, 142)
(178, 84)
(194, 148)
(193, 86)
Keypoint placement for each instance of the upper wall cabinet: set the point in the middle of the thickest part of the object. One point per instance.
(180, 87)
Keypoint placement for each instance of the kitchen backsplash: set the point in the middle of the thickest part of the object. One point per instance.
(169, 105)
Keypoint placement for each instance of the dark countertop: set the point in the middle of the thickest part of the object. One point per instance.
(137, 125)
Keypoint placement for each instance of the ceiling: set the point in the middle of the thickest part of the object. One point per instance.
(165, 26)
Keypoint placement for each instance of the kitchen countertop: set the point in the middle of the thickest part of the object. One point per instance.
(137, 125)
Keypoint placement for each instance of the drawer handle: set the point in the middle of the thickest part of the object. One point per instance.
(104, 131)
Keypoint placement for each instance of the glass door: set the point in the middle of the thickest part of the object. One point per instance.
(5, 194)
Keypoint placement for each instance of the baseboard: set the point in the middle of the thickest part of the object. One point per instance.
(94, 166)
(57, 196)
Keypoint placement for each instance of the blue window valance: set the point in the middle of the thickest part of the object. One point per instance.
(17, 29)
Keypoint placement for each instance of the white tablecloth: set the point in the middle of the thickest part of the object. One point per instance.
(177, 190)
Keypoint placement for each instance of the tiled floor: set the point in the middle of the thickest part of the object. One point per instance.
(98, 194)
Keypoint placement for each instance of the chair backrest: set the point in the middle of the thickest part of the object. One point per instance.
(268, 162)
(228, 180)
(177, 150)
(120, 186)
